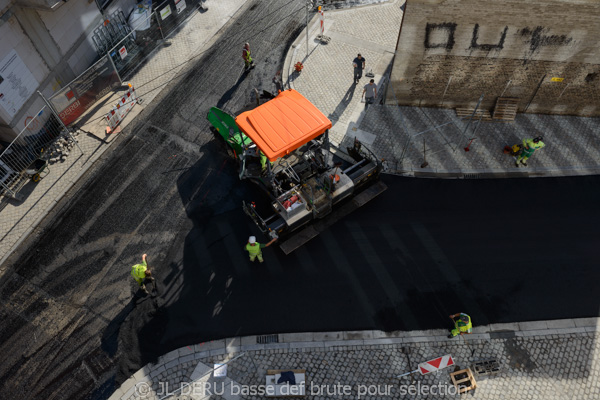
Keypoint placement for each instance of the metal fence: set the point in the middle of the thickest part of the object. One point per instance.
(45, 138)
(74, 99)
(148, 31)
(42, 142)
(111, 32)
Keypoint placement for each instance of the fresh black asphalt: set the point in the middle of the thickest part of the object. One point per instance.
(73, 325)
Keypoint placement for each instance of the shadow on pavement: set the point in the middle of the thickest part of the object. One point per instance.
(501, 250)
(341, 107)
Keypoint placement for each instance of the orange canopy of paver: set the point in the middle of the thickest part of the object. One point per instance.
(283, 124)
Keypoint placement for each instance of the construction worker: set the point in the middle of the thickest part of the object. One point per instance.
(462, 325)
(246, 56)
(263, 161)
(529, 147)
(142, 274)
(254, 248)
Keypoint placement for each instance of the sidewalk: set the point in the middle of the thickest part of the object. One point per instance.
(537, 360)
(19, 219)
(572, 143)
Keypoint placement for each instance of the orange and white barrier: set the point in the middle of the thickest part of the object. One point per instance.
(118, 113)
(321, 36)
(322, 16)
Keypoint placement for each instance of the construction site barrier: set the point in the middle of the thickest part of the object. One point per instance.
(43, 141)
(118, 113)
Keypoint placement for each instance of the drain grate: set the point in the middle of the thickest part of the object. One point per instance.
(471, 176)
(489, 367)
(265, 339)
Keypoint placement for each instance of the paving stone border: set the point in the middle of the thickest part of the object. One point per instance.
(346, 341)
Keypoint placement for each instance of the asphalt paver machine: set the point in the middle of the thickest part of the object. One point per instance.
(283, 146)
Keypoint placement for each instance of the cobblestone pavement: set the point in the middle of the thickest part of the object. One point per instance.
(400, 134)
(536, 360)
(19, 219)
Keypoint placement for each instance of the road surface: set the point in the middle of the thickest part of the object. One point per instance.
(73, 325)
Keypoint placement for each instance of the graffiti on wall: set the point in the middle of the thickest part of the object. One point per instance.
(487, 47)
(447, 29)
(536, 39)
(441, 36)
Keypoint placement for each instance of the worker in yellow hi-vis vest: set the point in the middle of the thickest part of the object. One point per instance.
(142, 274)
(529, 147)
(255, 249)
(462, 325)
(249, 63)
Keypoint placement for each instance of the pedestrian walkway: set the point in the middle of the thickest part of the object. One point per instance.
(18, 219)
(400, 134)
(528, 360)
(538, 360)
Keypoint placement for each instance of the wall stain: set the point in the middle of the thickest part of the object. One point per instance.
(591, 77)
(538, 40)
(487, 47)
(448, 27)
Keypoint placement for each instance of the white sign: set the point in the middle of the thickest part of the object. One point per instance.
(220, 370)
(17, 83)
(123, 52)
(180, 5)
(165, 12)
(436, 364)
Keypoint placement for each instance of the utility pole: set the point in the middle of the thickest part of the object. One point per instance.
(309, 5)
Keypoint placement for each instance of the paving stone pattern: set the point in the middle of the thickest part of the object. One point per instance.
(182, 49)
(571, 142)
(334, 94)
(18, 219)
(545, 366)
(327, 79)
(360, 23)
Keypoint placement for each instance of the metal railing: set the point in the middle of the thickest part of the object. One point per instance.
(81, 93)
(148, 32)
(45, 138)
(43, 141)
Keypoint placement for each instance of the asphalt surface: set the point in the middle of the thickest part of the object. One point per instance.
(74, 326)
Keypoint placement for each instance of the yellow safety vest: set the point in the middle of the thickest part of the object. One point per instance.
(138, 271)
(533, 145)
(466, 327)
(253, 250)
(248, 58)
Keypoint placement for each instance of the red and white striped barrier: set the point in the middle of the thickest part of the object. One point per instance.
(436, 364)
(322, 16)
(118, 113)
(321, 36)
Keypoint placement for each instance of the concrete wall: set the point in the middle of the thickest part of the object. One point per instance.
(13, 37)
(55, 46)
(470, 47)
(69, 22)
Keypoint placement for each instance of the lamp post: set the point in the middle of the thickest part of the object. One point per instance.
(309, 5)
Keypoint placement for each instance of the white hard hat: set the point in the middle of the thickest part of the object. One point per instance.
(252, 239)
